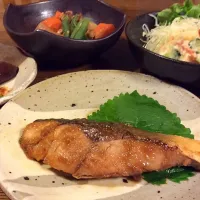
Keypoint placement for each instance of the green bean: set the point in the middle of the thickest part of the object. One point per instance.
(81, 29)
(65, 26)
(76, 29)
(74, 22)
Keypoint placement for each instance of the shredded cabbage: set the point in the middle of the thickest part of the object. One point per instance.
(182, 28)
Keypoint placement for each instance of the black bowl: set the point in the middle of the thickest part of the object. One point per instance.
(160, 66)
(20, 22)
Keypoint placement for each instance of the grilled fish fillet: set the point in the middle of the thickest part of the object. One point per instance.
(87, 149)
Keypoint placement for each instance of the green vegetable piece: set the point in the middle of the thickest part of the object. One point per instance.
(74, 22)
(65, 26)
(194, 12)
(187, 5)
(174, 54)
(147, 114)
(176, 174)
(195, 44)
(164, 17)
(81, 29)
(167, 15)
(76, 29)
(177, 8)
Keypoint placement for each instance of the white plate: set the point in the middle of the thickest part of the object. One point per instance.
(25, 76)
(76, 95)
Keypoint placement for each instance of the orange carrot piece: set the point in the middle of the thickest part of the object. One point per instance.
(53, 23)
(103, 30)
(58, 14)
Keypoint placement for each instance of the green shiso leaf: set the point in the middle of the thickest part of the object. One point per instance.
(141, 112)
(176, 174)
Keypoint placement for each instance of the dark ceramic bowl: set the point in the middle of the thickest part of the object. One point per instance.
(160, 66)
(20, 22)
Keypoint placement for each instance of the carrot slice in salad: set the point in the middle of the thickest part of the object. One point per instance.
(53, 23)
(103, 30)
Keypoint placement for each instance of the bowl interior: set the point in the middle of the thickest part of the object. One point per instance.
(27, 17)
(134, 28)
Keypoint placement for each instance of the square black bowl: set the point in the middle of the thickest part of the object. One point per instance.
(21, 21)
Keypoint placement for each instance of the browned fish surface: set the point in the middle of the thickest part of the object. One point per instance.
(87, 149)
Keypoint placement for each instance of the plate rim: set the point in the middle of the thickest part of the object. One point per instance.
(112, 70)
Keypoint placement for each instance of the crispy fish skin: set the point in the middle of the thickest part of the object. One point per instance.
(87, 149)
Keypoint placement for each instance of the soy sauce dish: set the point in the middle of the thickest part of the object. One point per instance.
(17, 72)
(167, 43)
(36, 31)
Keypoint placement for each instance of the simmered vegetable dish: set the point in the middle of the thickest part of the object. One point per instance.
(75, 26)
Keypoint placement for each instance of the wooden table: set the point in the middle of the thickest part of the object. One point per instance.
(118, 57)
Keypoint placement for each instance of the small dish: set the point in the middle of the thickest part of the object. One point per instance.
(45, 46)
(27, 71)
